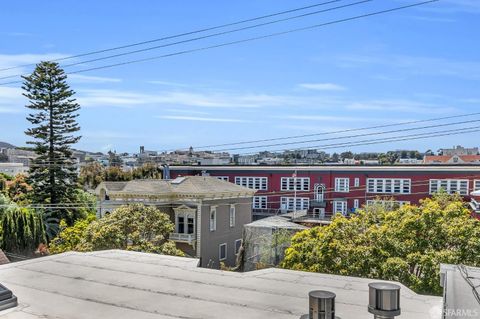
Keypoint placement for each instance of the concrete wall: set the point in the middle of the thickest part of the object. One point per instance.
(211, 240)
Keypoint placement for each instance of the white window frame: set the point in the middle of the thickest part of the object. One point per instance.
(260, 202)
(356, 203)
(388, 203)
(290, 183)
(220, 252)
(450, 185)
(342, 184)
(232, 215)
(319, 192)
(389, 185)
(476, 185)
(213, 221)
(223, 178)
(288, 203)
(343, 207)
(356, 182)
(237, 250)
(252, 182)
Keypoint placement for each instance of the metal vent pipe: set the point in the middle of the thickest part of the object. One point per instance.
(322, 304)
(384, 300)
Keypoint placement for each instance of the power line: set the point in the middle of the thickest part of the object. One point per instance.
(330, 190)
(337, 132)
(178, 53)
(346, 137)
(386, 140)
(178, 35)
(205, 36)
(459, 131)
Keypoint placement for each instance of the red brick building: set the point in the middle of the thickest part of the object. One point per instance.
(323, 190)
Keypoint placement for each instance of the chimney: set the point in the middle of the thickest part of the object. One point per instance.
(384, 300)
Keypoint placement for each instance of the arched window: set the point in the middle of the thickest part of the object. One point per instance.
(319, 192)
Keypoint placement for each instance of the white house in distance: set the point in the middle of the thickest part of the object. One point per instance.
(13, 169)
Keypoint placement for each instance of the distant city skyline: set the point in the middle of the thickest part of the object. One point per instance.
(408, 65)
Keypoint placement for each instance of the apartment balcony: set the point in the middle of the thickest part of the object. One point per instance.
(318, 204)
(182, 238)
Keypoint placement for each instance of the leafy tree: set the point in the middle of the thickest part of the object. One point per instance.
(132, 227)
(18, 190)
(345, 155)
(147, 171)
(406, 244)
(116, 174)
(22, 231)
(70, 238)
(54, 111)
(4, 178)
(114, 160)
(91, 175)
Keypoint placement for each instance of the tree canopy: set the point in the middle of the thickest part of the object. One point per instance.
(406, 244)
(53, 116)
(132, 227)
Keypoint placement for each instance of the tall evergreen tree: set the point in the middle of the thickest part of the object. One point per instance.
(53, 174)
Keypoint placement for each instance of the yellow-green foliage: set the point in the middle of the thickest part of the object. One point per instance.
(70, 238)
(130, 227)
(406, 244)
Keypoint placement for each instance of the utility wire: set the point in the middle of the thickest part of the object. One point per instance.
(289, 193)
(346, 137)
(178, 35)
(204, 37)
(178, 53)
(387, 140)
(460, 131)
(335, 132)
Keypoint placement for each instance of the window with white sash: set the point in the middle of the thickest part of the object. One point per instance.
(257, 183)
(223, 178)
(476, 185)
(356, 182)
(298, 183)
(340, 207)
(260, 202)
(213, 218)
(389, 204)
(288, 203)
(232, 216)
(451, 186)
(389, 185)
(342, 184)
(222, 252)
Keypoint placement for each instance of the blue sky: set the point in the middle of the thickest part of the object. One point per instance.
(415, 64)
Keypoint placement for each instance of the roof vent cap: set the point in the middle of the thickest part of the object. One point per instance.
(7, 298)
(384, 300)
(322, 304)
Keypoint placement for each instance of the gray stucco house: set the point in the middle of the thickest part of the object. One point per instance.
(208, 213)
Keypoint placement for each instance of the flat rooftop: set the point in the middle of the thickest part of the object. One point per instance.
(122, 284)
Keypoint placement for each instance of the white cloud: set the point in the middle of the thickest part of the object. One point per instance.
(208, 99)
(415, 65)
(406, 106)
(199, 119)
(168, 83)
(92, 79)
(320, 118)
(14, 60)
(11, 100)
(322, 86)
